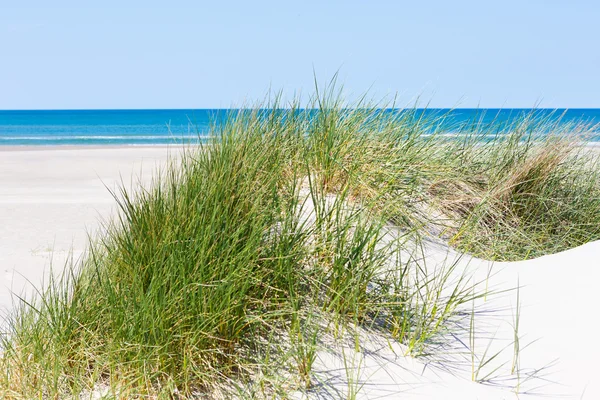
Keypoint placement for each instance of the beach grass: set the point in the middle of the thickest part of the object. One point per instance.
(225, 275)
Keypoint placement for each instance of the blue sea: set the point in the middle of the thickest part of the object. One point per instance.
(156, 127)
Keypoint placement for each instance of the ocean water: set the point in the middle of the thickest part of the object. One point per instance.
(155, 127)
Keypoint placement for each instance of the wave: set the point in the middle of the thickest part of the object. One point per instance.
(96, 137)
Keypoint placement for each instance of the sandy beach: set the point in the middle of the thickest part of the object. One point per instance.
(256, 200)
(50, 199)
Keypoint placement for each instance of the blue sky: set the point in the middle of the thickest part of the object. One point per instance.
(195, 54)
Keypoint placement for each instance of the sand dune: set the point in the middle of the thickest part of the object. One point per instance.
(557, 334)
(50, 198)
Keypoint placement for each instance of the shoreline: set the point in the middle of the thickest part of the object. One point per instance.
(55, 147)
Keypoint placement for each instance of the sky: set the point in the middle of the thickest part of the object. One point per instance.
(196, 54)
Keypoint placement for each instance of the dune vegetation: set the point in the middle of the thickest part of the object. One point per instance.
(290, 226)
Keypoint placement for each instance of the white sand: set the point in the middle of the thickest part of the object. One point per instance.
(558, 333)
(49, 198)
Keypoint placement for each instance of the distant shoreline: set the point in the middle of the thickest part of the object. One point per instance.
(56, 147)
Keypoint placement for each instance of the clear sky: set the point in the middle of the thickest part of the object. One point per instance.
(197, 54)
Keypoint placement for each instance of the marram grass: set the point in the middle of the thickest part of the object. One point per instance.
(221, 278)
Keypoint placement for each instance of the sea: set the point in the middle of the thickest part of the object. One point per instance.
(160, 127)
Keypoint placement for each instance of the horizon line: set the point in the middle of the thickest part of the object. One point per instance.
(285, 108)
